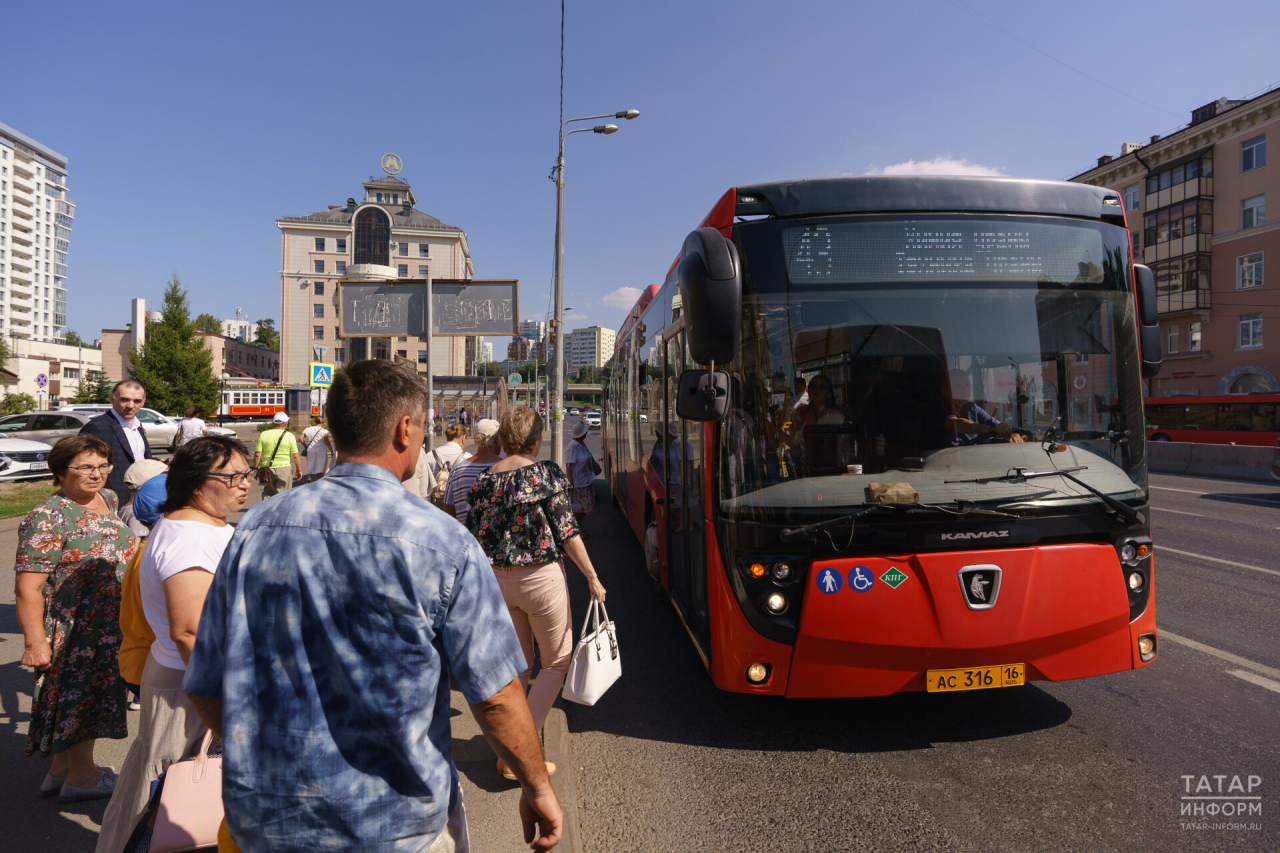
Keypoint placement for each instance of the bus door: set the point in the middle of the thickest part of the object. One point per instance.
(686, 534)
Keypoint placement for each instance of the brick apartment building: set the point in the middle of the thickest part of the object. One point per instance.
(1195, 202)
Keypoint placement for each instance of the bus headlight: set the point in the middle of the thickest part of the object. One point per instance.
(757, 570)
(781, 570)
(776, 603)
(758, 673)
(1147, 646)
(1128, 554)
(1136, 581)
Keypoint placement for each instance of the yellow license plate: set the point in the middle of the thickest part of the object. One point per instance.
(977, 678)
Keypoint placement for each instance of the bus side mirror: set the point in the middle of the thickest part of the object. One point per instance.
(711, 295)
(703, 395)
(1148, 320)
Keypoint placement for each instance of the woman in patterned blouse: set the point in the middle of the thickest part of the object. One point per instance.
(72, 551)
(520, 513)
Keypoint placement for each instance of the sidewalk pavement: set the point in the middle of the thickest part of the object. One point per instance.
(32, 824)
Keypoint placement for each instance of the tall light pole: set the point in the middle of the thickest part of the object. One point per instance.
(556, 371)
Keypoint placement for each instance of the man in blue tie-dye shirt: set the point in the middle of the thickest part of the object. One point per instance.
(338, 614)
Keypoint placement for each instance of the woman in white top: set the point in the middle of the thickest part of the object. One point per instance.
(208, 480)
(192, 426)
(442, 458)
(315, 439)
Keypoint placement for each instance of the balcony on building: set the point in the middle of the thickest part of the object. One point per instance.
(1182, 284)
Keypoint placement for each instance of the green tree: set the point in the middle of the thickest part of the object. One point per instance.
(208, 323)
(16, 404)
(74, 340)
(267, 335)
(173, 364)
(4, 352)
(94, 388)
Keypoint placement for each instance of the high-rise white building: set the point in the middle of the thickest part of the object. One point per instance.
(534, 330)
(589, 347)
(35, 236)
(241, 330)
(487, 349)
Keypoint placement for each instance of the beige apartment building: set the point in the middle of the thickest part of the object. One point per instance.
(1195, 202)
(232, 356)
(589, 347)
(315, 251)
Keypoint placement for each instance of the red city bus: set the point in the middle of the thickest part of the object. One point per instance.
(885, 434)
(1252, 419)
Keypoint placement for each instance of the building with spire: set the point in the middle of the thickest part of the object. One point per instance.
(384, 229)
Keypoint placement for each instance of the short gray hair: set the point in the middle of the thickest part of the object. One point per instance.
(367, 399)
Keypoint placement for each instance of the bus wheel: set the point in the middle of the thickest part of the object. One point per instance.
(652, 561)
(1160, 437)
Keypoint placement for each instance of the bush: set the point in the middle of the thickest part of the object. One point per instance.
(17, 404)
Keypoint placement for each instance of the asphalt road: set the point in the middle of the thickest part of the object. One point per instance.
(667, 762)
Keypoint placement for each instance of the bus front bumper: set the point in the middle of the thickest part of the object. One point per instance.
(881, 624)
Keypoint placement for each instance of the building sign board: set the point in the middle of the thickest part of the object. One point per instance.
(386, 308)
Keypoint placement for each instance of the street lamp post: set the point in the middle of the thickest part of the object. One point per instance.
(556, 373)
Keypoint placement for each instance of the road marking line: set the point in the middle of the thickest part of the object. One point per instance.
(1258, 496)
(1219, 653)
(1178, 511)
(1273, 686)
(1218, 560)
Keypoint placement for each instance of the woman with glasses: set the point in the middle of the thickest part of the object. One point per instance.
(72, 552)
(208, 480)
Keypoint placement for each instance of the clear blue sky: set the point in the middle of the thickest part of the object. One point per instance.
(190, 128)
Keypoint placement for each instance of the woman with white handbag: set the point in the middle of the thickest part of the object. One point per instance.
(521, 515)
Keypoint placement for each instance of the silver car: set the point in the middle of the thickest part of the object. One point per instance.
(162, 430)
(45, 427)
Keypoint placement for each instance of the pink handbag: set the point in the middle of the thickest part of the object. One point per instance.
(190, 808)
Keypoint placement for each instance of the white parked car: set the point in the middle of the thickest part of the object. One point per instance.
(21, 459)
(162, 430)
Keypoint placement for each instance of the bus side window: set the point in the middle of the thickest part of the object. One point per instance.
(1233, 416)
(1264, 417)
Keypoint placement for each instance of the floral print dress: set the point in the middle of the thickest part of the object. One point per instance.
(81, 695)
(522, 517)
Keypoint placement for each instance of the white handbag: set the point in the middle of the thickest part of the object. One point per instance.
(596, 663)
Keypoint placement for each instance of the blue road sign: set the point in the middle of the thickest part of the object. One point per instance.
(861, 579)
(42, 380)
(829, 581)
(321, 374)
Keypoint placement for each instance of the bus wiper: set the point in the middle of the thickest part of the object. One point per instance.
(1020, 474)
(960, 508)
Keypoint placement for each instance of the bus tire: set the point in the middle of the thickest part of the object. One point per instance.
(652, 560)
(1160, 437)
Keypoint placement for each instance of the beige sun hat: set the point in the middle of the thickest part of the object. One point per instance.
(143, 470)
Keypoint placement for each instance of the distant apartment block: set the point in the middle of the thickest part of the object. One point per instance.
(35, 236)
(1196, 206)
(589, 347)
(241, 330)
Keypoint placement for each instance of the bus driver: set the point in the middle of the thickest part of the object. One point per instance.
(970, 420)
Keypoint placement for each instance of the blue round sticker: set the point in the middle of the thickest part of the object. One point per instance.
(829, 581)
(861, 579)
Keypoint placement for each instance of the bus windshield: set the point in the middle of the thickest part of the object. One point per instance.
(929, 349)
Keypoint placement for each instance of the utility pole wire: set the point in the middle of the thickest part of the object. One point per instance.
(1026, 43)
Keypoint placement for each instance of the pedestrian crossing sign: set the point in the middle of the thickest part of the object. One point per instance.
(321, 375)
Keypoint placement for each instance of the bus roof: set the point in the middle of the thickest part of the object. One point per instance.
(914, 193)
(1214, 398)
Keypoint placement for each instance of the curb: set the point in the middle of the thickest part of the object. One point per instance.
(559, 751)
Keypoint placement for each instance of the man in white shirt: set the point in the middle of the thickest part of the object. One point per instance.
(123, 433)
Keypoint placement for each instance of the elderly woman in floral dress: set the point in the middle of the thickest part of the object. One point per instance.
(72, 552)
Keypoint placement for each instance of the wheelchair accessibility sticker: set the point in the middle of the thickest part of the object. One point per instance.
(861, 579)
(829, 581)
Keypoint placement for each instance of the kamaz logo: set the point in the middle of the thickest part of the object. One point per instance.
(980, 534)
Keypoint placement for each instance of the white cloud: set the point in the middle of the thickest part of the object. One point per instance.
(937, 166)
(623, 297)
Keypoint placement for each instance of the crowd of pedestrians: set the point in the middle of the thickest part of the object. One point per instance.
(321, 633)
